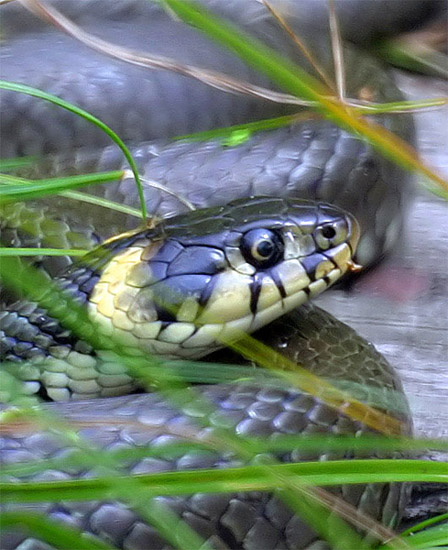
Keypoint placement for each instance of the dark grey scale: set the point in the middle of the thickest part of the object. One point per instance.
(25, 308)
(47, 324)
(308, 219)
(171, 293)
(325, 214)
(198, 259)
(33, 327)
(83, 276)
(77, 272)
(159, 269)
(14, 348)
(7, 348)
(218, 220)
(88, 285)
(311, 263)
(20, 328)
(22, 348)
(207, 292)
(72, 289)
(216, 240)
(79, 285)
(169, 251)
(8, 318)
(233, 238)
(65, 282)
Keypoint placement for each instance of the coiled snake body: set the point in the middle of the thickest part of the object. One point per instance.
(241, 268)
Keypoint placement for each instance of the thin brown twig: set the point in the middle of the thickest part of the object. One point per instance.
(160, 187)
(215, 79)
(298, 42)
(212, 78)
(367, 108)
(338, 55)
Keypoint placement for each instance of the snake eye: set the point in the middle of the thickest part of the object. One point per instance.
(262, 247)
(331, 234)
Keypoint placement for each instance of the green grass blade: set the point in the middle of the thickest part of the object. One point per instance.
(281, 444)
(424, 59)
(434, 189)
(432, 538)
(250, 127)
(245, 478)
(99, 201)
(45, 187)
(41, 252)
(40, 188)
(8, 179)
(21, 88)
(424, 524)
(17, 163)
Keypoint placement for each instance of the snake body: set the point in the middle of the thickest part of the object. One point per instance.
(313, 159)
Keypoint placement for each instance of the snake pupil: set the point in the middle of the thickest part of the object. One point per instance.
(265, 249)
(328, 231)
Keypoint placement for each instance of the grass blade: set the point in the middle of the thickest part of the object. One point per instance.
(432, 538)
(242, 479)
(41, 188)
(41, 252)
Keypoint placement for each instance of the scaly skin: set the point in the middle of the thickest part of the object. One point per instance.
(313, 160)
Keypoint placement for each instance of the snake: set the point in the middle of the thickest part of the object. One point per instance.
(278, 218)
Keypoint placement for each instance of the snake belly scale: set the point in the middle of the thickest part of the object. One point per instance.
(273, 253)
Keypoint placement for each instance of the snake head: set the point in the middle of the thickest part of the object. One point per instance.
(203, 278)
